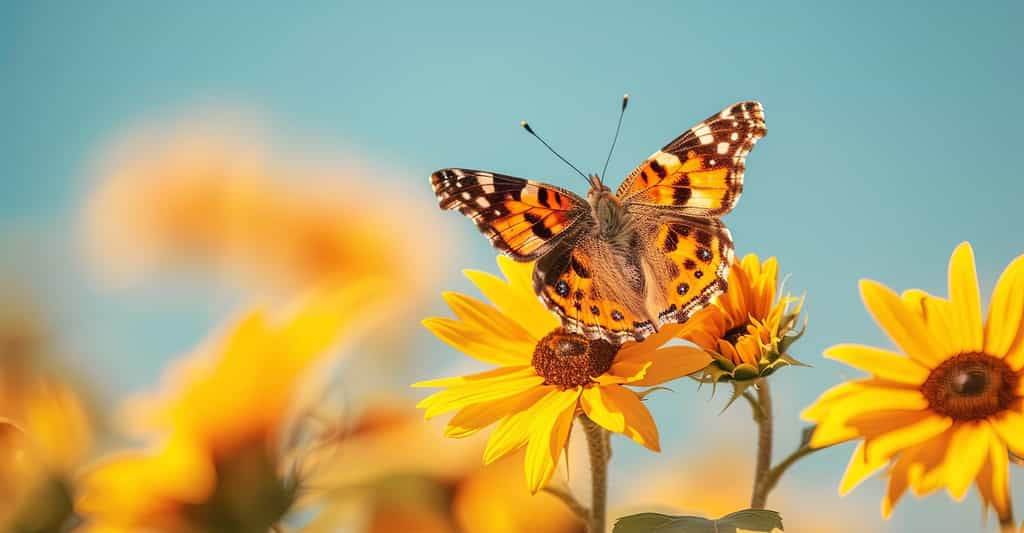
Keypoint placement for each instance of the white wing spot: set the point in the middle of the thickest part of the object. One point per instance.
(734, 136)
(482, 202)
(723, 148)
(466, 196)
(704, 133)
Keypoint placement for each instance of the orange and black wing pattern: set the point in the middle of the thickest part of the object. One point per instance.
(523, 219)
(570, 284)
(701, 171)
(691, 256)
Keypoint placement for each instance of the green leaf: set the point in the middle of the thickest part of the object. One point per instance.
(761, 520)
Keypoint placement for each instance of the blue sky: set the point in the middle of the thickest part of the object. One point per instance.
(892, 131)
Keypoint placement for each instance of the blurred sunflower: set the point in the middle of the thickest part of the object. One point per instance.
(546, 375)
(747, 330)
(946, 410)
(45, 427)
(370, 479)
(219, 461)
(44, 436)
(203, 195)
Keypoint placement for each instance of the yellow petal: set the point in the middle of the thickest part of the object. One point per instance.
(667, 364)
(487, 318)
(1009, 424)
(521, 306)
(483, 390)
(928, 471)
(1005, 323)
(858, 470)
(906, 328)
(823, 405)
(593, 403)
(993, 479)
(548, 437)
(940, 319)
(967, 451)
(514, 430)
(836, 423)
(479, 344)
(881, 363)
(910, 429)
(897, 487)
(475, 417)
(620, 410)
(504, 372)
(963, 294)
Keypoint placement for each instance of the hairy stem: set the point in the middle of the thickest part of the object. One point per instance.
(599, 446)
(570, 501)
(764, 445)
(775, 473)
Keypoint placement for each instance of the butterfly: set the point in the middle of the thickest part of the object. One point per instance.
(617, 266)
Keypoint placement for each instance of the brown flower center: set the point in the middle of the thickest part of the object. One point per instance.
(571, 360)
(734, 334)
(970, 386)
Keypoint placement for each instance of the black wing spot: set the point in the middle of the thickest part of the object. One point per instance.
(704, 254)
(658, 169)
(562, 288)
(682, 289)
(617, 316)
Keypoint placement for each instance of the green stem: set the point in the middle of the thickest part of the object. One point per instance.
(764, 445)
(599, 446)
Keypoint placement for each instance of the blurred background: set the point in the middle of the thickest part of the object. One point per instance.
(167, 166)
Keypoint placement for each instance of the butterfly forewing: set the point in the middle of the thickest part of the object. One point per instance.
(522, 218)
(701, 171)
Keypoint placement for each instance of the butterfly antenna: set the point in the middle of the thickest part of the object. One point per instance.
(625, 102)
(526, 126)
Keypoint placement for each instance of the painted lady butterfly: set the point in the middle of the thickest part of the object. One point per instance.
(619, 265)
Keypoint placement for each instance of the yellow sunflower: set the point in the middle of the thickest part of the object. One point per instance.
(546, 375)
(747, 330)
(220, 460)
(944, 412)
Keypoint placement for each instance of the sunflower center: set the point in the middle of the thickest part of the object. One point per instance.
(571, 360)
(970, 386)
(735, 333)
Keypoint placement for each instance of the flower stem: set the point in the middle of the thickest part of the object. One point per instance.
(599, 446)
(764, 446)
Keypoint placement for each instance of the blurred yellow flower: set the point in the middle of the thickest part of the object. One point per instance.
(946, 409)
(44, 436)
(546, 374)
(218, 462)
(196, 195)
(746, 329)
(372, 480)
(45, 430)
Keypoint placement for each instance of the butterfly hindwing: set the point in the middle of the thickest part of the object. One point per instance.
(701, 171)
(522, 218)
(689, 259)
(588, 298)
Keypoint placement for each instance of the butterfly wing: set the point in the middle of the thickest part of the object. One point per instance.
(687, 260)
(522, 218)
(701, 171)
(594, 291)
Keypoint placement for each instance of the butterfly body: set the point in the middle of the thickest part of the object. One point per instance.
(618, 265)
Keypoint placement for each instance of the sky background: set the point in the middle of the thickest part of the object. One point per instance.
(891, 137)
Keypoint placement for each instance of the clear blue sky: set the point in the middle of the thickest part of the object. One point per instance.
(892, 136)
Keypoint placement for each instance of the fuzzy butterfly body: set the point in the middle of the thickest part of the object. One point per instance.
(619, 265)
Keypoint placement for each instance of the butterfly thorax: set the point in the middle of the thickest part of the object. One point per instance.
(613, 221)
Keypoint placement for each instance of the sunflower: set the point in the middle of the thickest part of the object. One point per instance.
(546, 374)
(944, 412)
(218, 461)
(747, 330)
